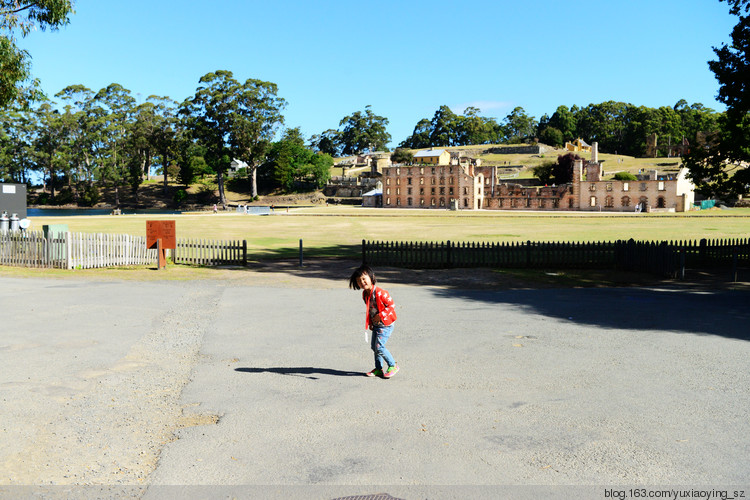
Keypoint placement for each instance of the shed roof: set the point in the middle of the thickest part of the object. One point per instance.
(429, 153)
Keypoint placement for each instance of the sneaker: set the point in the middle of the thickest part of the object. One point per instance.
(391, 371)
(377, 372)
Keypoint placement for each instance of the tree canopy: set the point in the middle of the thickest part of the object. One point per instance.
(722, 167)
(15, 63)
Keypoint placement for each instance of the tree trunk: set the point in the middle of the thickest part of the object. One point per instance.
(222, 197)
(254, 170)
(165, 162)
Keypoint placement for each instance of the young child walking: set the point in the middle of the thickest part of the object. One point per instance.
(379, 318)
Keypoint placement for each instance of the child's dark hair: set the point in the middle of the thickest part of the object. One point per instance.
(363, 269)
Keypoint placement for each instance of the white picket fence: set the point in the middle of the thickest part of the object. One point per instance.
(87, 251)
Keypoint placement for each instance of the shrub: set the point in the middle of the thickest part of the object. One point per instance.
(625, 176)
(179, 197)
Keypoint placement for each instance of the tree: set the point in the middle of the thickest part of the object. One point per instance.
(296, 166)
(24, 16)
(233, 120)
(420, 137)
(402, 155)
(518, 125)
(444, 127)
(113, 115)
(364, 131)
(720, 168)
(329, 142)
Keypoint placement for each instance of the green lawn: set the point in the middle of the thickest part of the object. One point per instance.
(339, 231)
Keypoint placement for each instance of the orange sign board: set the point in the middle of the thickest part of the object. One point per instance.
(161, 229)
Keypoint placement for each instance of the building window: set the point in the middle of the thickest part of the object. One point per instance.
(592, 187)
(398, 171)
(388, 191)
(609, 202)
(625, 186)
(466, 202)
(442, 202)
(408, 190)
(466, 191)
(609, 186)
(388, 181)
(661, 202)
(421, 170)
(398, 201)
(387, 201)
(593, 201)
(432, 202)
(626, 201)
(421, 191)
(442, 190)
(571, 203)
(661, 186)
(421, 181)
(433, 170)
(450, 190)
(408, 201)
(398, 191)
(432, 191)
(408, 180)
(421, 202)
(644, 186)
(528, 202)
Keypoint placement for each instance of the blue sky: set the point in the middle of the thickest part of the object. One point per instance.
(404, 58)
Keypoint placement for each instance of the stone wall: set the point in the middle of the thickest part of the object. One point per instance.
(518, 150)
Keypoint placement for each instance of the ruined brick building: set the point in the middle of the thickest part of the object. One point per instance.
(466, 184)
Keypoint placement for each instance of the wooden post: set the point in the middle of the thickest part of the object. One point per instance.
(244, 253)
(161, 255)
(300, 253)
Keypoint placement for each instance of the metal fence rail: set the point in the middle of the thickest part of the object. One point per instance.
(661, 258)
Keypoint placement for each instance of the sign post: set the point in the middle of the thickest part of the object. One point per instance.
(161, 234)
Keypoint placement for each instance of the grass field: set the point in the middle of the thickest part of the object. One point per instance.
(338, 231)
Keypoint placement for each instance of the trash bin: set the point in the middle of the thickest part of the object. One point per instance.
(14, 222)
(4, 222)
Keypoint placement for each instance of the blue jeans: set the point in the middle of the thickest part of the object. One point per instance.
(380, 335)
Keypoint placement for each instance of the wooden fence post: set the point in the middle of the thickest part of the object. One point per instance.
(244, 253)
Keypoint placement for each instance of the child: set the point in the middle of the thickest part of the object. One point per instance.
(380, 317)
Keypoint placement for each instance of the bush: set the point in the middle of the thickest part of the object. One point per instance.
(625, 176)
(64, 197)
(179, 197)
(88, 195)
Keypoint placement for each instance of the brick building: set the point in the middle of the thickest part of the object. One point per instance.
(468, 185)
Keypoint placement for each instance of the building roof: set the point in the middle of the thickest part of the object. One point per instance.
(429, 153)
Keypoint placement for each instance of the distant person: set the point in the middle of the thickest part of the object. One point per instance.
(379, 318)
(215, 208)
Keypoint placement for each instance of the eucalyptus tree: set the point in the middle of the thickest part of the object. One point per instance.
(24, 16)
(112, 110)
(233, 120)
(720, 167)
(16, 151)
(51, 146)
(364, 131)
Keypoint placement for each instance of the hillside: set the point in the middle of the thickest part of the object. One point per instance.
(203, 194)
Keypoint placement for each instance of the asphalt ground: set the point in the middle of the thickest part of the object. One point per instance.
(256, 389)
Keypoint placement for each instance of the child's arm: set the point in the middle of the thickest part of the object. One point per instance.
(387, 307)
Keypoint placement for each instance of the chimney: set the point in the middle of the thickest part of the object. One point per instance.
(595, 152)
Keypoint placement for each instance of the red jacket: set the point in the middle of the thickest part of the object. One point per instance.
(384, 302)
